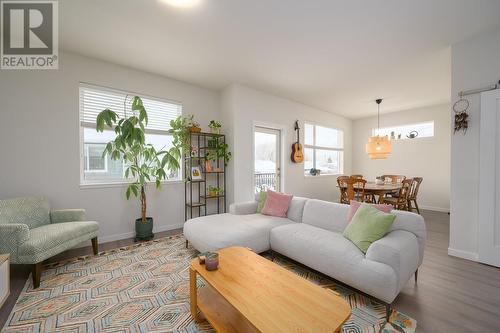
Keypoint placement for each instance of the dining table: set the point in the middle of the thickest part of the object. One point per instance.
(379, 190)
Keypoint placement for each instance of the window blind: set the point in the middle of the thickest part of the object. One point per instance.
(95, 99)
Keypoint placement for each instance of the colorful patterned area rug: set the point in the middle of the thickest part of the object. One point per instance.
(145, 288)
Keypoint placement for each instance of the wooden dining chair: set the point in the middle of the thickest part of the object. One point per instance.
(401, 201)
(360, 177)
(394, 178)
(351, 189)
(358, 189)
(413, 193)
(342, 182)
(367, 197)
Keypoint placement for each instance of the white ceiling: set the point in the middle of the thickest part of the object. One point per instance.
(335, 55)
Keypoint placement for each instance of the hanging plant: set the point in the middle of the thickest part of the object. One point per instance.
(221, 150)
(181, 129)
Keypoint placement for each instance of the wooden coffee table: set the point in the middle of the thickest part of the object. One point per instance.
(249, 293)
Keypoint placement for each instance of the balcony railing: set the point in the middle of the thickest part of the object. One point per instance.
(265, 181)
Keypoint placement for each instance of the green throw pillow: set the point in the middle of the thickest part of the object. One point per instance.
(261, 201)
(368, 225)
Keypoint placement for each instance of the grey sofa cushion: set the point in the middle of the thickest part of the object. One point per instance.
(326, 215)
(214, 232)
(49, 240)
(296, 209)
(32, 211)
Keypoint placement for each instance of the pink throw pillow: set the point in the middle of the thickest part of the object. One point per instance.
(356, 204)
(276, 204)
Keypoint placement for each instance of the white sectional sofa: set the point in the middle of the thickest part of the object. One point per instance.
(312, 235)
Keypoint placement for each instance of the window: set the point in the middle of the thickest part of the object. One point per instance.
(323, 149)
(97, 169)
(94, 161)
(423, 130)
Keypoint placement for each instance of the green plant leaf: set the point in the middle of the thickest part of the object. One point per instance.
(105, 117)
(137, 103)
(134, 189)
(143, 115)
(115, 155)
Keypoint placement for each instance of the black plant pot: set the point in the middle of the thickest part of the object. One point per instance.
(144, 230)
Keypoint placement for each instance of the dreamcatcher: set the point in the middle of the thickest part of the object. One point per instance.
(461, 116)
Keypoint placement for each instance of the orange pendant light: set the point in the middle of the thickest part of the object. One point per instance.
(378, 147)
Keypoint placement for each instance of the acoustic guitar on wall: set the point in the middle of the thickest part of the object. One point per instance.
(297, 154)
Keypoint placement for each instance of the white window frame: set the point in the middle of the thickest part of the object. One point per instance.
(314, 147)
(87, 163)
(82, 125)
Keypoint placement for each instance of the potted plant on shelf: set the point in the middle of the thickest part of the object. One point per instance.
(213, 154)
(181, 128)
(214, 126)
(222, 151)
(192, 126)
(143, 162)
(213, 191)
(212, 142)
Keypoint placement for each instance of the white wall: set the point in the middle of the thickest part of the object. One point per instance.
(39, 140)
(422, 157)
(475, 64)
(227, 117)
(242, 107)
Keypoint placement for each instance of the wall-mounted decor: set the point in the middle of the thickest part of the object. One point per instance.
(297, 154)
(462, 106)
(461, 116)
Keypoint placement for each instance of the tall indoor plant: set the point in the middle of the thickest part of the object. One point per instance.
(143, 162)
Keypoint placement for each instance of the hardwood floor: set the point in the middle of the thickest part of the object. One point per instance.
(452, 294)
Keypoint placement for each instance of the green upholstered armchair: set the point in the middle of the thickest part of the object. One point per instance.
(32, 233)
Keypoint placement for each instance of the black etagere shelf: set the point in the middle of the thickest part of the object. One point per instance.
(196, 196)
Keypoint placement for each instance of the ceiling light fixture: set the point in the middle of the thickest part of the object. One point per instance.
(181, 3)
(378, 147)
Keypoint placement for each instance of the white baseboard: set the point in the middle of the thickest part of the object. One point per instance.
(463, 254)
(435, 209)
(112, 238)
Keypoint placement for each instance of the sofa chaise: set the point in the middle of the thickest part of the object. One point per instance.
(32, 233)
(312, 235)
